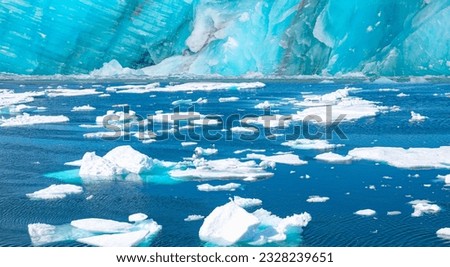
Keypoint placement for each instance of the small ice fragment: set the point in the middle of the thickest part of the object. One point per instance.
(365, 212)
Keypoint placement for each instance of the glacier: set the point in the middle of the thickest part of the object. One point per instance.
(225, 37)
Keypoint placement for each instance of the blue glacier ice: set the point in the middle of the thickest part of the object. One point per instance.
(226, 37)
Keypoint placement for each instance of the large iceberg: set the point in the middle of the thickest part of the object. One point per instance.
(225, 37)
(231, 225)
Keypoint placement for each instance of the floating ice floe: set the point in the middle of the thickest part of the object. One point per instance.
(268, 121)
(133, 89)
(71, 92)
(265, 105)
(393, 213)
(365, 212)
(200, 152)
(185, 144)
(9, 97)
(105, 135)
(249, 150)
(317, 199)
(222, 169)
(211, 188)
(55, 192)
(416, 117)
(446, 178)
(333, 157)
(118, 161)
(95, 232)
(289, 159)
(205, 122)
(247, 202)
(208, 86)
(230, 224)
(27, 119)
(423, 207)
(192, 218)
(137, 217)
(189, 101)
(443, 233)
(244, 130)
(341, 104)
(174, 117)
(310, 144)
(83, 108)
(402, 95)
(411, 158)
(228, 99)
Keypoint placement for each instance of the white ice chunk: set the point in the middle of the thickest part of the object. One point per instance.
(130, 239)
(230, 168)
(247, 202)
(225, 187)
(317, 199)
(423, 207)
(56, 192)
(416, 117)
(393, 213)
(208, 86)
(184, 144)
(265, 105)
(307, 144)
(249, 150)
(402, 95)
(93, 166)
(96, 225)
(443, 233)
(341, 102)
(70, 92)
(129, 159)
(244, 130)
(269, 121)
(41, 233)
(199, 152)
(411, 158)
(289, 159)
(192, 218)
(205, 121)
(365, 212)
(137, 217)
(27, 119)
(333, 157)
(227, 224)
(446, 178)
(83, 108)
(228, 99)
(133, 89)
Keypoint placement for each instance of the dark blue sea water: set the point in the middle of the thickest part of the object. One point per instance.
(28, 154)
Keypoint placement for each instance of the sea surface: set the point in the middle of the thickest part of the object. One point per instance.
(30, 155)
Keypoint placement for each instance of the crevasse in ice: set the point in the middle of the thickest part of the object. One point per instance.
(226, 37)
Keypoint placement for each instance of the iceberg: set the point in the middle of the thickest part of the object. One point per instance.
(120, 160)
(27, 119)
(95, 232)
(423, 207)
(231, 224)
(55, 192)
(227, 224)
(137, 217)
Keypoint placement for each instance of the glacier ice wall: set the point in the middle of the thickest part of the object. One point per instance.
(226, 37)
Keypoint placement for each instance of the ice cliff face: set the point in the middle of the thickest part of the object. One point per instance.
(226, 37)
